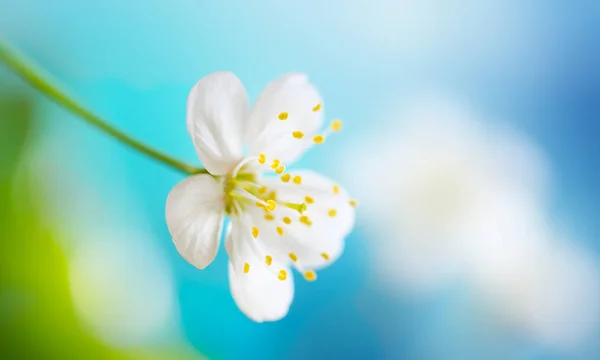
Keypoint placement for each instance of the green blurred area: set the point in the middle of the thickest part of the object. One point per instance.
(37, 317)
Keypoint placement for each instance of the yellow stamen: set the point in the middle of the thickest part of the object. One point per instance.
(298, 207)
(293, 257)
(271, 205)
(246, 268)
(255, 232)
(298, 134)
(317, 107)
(262, 190)
(262, 158)
(332, 212)
(353, 203)
(336, 189)
(325, 256)
(282, 275)
(309, 200)
(268, 260)
(336, 125)
(285, 177)
(280, 169)
(310, 275)
(280, 230)
(318, 139)
(297, 179)
(272, 196)
(283, 116)
(269, 217)
(305, 220)
(287, 220)
(275, 164)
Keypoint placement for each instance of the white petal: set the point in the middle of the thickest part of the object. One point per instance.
(258, 293)
(291, 94)
(327, 233)
(194, 212)
(217, 108)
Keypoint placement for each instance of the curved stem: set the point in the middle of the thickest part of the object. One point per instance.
(30, 74)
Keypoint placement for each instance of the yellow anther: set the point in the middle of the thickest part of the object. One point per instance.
(287, 220)
(280, 230)
(305, 220)
(246, 268)
(297, 179)
(309, 200)
(294, 257)
(298, 207)
(336, 189)
(285, 177)
(318, 139)
(325, 256)
(280, 169)
(272, 196)
(282, 275)
(275, 164)
(271, 205)
(269, 217)
(262, 158)
(298, 134)
(336, 125)
(317, 107)
(353, 203)
(332, 212)
(302, 208)
(310, 275)
(268, 260)
(283, 116)
(262, 190)
(255, 232)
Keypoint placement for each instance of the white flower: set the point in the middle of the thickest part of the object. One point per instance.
(297, 219)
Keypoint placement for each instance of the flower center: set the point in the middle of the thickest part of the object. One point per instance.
(242, 189)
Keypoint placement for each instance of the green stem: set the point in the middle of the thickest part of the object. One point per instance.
(30, 74)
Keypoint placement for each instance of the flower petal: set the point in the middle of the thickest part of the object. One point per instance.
(258, 292)
(291, 97)
(217, 108)
(194, 212)
(330, 213)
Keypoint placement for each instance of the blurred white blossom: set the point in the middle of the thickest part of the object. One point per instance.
(448, 195)
(431, 175)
